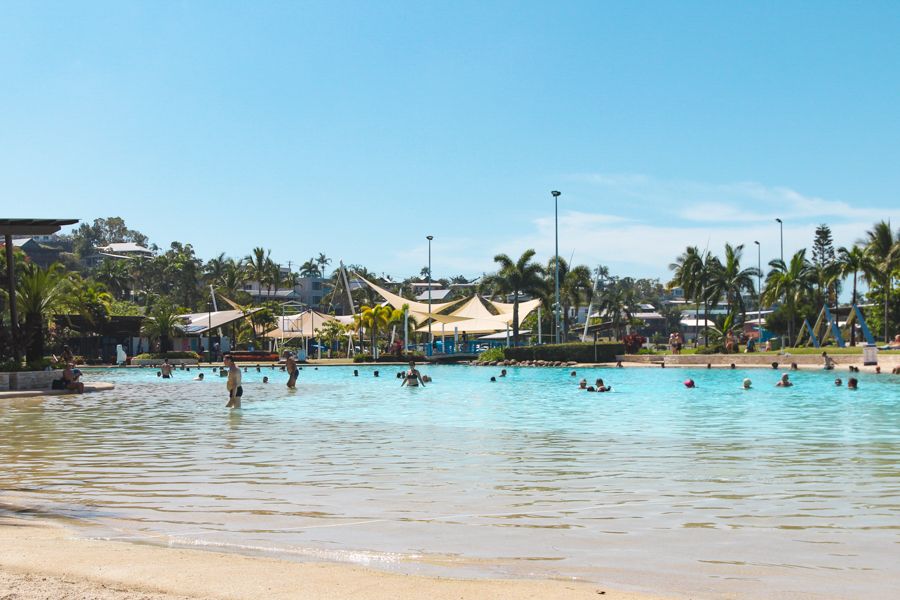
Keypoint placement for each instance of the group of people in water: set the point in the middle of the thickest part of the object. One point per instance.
(783, 382)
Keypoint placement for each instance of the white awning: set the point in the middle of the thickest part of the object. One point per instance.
(200, 323)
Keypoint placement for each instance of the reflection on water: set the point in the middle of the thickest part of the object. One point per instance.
(717, 489)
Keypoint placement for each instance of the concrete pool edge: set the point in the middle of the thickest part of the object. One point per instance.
(97, 386)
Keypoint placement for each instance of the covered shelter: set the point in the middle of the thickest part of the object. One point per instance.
(202, 323)
(31, 227)
(303, 324)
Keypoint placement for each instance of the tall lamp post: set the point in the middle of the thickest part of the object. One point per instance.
(430, 339)
(556, 261)
(758, 290)
(781, 237)
(209, 330)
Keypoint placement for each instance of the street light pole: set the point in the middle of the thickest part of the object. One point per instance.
(556, 261)
(209, 330)
(758, 290)
(781, 235)
(430, 339)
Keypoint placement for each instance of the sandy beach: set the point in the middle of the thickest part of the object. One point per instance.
(42, 560)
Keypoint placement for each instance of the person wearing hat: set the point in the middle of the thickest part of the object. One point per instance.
(747, 383)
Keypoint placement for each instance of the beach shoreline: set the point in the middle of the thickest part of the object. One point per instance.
(42, 559)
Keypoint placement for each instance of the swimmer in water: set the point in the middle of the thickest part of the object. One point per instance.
(689, 383)
(838, 382)
(291, 364)
(502, 372)
(413, 378)
(785, 381)
(166, 369)
(233, 385)
(265, 379)
(199, 377)
(582, 385)
(852, 383)
(602, 387)
(747, 383)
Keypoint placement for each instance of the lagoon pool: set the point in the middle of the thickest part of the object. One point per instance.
(712, 491)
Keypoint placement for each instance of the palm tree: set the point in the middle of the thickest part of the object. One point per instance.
(520, 277)
(688, 275)
(573, 288)
(730, 281)
(215, 267)
(257, 266)
(38, 293)
(322, 261)
(89, 300)
(114, 274)
(616, 302)
(852, 261)
(883, 251)
(310, 269)
(373, 319)
(231, 280)
(162, 323)
(792, 282)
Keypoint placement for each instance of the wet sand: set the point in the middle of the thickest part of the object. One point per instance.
(40, 560)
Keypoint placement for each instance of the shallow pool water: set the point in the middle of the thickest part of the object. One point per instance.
(715, 490)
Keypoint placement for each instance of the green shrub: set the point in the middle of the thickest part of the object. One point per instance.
(11, 366)
(39, 364)
(492, 354)
(579, 352)
(718, 349)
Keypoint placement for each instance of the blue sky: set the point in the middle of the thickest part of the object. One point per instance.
(358, 128)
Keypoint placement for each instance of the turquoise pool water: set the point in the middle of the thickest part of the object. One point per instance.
(712, 491)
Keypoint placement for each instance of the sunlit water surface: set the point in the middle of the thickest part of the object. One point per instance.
(709, 491)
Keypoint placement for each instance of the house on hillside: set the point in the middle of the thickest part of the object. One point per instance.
(117, 251)
(38, 253)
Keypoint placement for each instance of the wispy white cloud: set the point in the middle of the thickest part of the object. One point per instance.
(742, 201)
(647, 222)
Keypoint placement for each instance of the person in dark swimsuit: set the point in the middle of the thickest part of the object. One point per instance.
(413, 378)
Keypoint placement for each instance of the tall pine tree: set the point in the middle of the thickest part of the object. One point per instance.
(827, 271)
(823, 246)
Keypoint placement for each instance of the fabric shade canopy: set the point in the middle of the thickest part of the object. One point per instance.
(200, 323)
(398, 301)
(474, 308)
(525, 308)
(303, 325)
(470, 326)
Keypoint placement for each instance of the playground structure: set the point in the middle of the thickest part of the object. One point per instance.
(827, 328)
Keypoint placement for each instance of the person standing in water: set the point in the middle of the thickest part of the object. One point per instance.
(412, 378)
(233, 384)
(291, 364)
(166, 369)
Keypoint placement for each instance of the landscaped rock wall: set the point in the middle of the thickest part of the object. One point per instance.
(28, 380)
